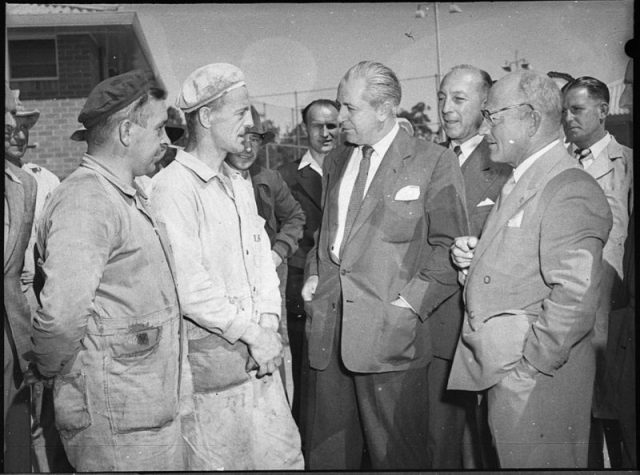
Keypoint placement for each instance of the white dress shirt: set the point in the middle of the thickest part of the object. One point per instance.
(349, 179)
(596, 149)
(307, 160)
(467, 147)
(526, 164)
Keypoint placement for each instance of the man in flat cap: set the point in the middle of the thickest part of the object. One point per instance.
(107, 334)
(228, 286)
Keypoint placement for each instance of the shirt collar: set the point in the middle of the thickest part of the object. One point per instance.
(598, 147)
(231, 172)
(469, 146)
(101, 168)
(201, 169)
(307, 160)
(384, 143)
(525, 165)
(9, 172)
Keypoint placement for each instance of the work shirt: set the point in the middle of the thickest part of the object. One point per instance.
(226, 276)
(103, 259)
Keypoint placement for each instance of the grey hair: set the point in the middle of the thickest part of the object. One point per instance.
(485, 79)
(382, 84)
(543, 94)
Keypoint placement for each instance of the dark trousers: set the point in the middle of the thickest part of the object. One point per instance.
(386, 412)
(17, 455)
(447, 416)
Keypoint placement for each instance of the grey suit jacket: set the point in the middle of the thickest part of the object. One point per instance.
(532, 288)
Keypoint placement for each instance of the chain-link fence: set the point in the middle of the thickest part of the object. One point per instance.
(419, 106)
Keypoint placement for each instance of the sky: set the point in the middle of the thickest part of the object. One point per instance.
(286, 47)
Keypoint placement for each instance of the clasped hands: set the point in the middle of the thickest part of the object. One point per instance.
(265, 344)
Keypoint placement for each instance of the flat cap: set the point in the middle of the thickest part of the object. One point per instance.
(209, 83)
(266, 135)
(111, 95)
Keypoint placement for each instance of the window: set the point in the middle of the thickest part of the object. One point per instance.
(33, 59)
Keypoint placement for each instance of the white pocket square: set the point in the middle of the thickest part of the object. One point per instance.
(408, 193)
(486, 202)
(516, 221)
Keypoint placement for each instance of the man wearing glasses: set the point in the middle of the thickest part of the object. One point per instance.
(531, 284)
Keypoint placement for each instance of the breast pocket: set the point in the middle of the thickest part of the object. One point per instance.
(401, 220)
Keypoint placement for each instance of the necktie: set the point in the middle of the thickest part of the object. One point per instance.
(457, 150)
(584, 157)
(507, 189)
(357, 194)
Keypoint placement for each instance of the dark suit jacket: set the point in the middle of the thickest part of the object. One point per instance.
(21, 198)
(398, 246)
(532, 288)
(483, 180)
(306, 188)
(276, 205)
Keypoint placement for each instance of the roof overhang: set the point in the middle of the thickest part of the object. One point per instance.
(61, 23)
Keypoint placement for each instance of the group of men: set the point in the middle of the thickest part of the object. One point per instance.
(444, 288)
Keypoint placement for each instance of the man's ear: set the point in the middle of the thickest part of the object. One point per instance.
(535, 122)
(603, 110)
(384, 110)
(124, 130)
(204, 117)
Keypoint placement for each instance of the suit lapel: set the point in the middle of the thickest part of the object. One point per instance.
(14, 193)
(333, 177)
(528, 185)
(603, 164)
(390, 165)
(311, 184)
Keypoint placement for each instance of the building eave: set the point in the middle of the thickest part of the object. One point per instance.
(49, 20)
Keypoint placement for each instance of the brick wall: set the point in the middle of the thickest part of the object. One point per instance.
(78, 71)
(55, 151)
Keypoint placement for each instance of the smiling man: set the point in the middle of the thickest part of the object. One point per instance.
(107, 334)
(531, 285)
(377, 273)
(462, 94)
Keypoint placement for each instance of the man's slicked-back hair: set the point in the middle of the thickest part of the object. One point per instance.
(595, 88)
(319, 103)
(485, 79)
(543, 94)
(382, 84)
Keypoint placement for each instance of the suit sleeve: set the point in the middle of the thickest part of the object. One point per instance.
(574, 227)
(290, 216)
(446, 218)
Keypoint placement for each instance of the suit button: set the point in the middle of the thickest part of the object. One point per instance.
(472, 315)
(344, 271)
(487, 279)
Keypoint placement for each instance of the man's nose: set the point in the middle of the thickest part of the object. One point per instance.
(485, 128)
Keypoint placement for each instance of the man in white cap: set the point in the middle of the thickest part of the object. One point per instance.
(228, 286)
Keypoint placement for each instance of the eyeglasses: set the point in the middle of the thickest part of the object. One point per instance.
(487, 115)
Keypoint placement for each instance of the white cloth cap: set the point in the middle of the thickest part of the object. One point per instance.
(208, 83)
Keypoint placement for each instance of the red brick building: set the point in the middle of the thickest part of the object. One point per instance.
(55, 55)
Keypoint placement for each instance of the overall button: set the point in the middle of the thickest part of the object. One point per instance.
(487, 279)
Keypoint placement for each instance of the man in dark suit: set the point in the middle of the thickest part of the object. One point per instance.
(379, 269)
(462, 95)
(304, 178)
(19, 205)
(531, 284)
